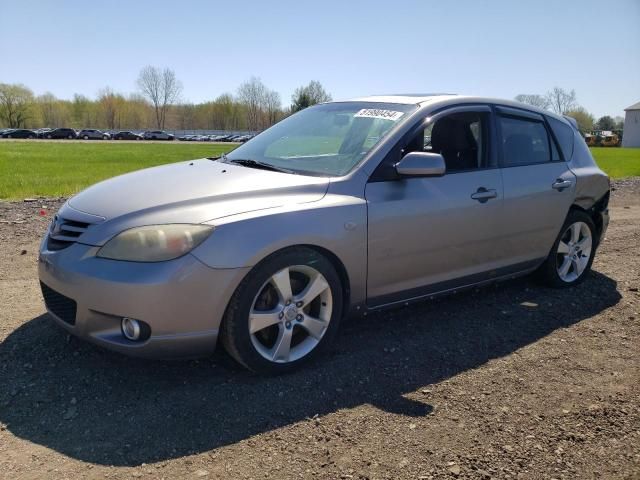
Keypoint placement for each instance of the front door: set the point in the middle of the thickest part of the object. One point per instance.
(427, 235)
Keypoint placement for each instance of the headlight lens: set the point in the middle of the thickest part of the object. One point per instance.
(155, 243)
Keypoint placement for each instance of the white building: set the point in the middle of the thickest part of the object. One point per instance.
(631, 135)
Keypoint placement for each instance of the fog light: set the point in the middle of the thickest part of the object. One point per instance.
(131, 328)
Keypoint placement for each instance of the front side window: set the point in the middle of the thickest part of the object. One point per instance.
(524, 142)
(325, 140)
(461, 139)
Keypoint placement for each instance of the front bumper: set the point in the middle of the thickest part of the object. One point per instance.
(182, 300)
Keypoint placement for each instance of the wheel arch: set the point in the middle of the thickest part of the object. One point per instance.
(595, 212)
(342, 273)
(329, 255)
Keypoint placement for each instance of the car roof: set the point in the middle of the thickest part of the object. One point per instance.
(448, 99)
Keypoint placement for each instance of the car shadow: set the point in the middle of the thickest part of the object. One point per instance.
(104, 408)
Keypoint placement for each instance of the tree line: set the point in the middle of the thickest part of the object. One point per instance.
(157, 103)
(564, 102)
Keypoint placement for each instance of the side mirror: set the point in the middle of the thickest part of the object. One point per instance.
(421, 164)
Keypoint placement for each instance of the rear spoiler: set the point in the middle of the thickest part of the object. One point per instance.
(572, 121)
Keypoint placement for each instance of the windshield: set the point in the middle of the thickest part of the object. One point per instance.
(328, 139)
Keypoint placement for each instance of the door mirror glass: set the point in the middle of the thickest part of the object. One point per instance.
(421, 164)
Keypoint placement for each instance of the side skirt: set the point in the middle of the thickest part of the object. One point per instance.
(448, 287)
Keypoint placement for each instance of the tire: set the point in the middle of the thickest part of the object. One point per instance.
(569, 264)
(267, 350)
(70, 137)
(105, 137)
(86, 137)
(49, 137)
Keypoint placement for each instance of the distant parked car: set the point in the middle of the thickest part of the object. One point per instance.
(92, 134)
(42, 132)
(19, 133)
(126, 135)
(5, 130)
(61, 133)
(225, 138)
(157, 135)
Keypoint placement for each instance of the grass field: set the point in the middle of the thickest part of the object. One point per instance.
(51, 169)
(618, 162)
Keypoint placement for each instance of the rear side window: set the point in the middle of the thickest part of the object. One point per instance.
(524, 142)
(564, 135)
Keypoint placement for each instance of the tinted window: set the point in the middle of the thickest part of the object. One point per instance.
(564, 135)
(524, 142)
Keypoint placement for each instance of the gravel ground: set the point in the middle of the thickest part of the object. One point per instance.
(510, 381)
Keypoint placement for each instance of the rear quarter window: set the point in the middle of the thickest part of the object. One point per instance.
(564, 135)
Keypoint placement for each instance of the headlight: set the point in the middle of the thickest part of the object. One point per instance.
(155, 243)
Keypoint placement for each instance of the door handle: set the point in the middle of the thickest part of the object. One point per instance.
(483, 194)
(561, 184)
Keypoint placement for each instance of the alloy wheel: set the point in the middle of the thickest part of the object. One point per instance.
(290, 314)
(574, 251)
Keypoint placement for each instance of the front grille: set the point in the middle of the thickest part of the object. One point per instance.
(64, 232)
(61, 306)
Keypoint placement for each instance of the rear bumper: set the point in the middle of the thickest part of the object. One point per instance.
(183, 300)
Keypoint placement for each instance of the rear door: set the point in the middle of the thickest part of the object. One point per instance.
(538, 186)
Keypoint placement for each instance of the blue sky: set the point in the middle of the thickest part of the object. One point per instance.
(496, 48)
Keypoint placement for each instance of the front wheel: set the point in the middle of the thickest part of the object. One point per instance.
(284, 312)
(572, 254)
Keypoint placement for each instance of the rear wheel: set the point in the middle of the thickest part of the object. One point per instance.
(86, 137)
(284, 312)
(572, 253)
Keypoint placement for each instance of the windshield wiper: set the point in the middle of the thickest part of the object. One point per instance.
(256, 164)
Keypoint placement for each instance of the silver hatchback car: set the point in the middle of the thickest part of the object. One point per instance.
(343, 207)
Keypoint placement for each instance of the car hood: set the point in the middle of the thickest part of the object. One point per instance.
(187, 192)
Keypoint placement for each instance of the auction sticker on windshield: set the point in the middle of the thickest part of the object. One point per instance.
(378, 113)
